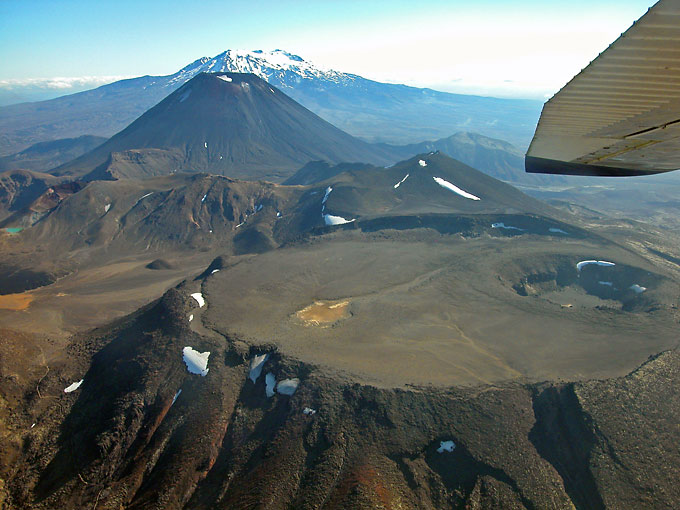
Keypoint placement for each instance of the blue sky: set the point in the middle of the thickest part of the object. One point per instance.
(520, 48)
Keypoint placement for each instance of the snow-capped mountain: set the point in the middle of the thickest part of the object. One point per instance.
(374, 111)
(278, 67)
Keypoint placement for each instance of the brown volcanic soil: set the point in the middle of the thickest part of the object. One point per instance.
(453, 328)
(16, 301)
(442, 310)
(121, 442)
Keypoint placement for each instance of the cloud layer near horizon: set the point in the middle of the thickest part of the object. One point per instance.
(60, 82)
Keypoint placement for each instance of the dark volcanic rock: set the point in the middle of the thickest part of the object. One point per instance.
(130, 439)
(19, 188)
(224, 123)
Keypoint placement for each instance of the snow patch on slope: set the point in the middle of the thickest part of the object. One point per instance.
(401, 182)
(452, 187)
(287, 386)
(506, 227)
(638, 289)
(256, 365)
(584, 263)
(446, 446)
(329, 219)
(196, 362)
(73, 387)
(326, 195)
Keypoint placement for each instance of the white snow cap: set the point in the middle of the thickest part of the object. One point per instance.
(287, 386)
(309, 411)
(107, 207)
(269, 383)
(256, 366)
(602, 263)
(637, 288)
(73, 387)
(225, 78)
(197, 362)
(214, 271)
(199, 299)
(557, 231)
(329, 219)
(191, 317)
(261, 63)
(446, 446)
(452, 187)
(422, 163)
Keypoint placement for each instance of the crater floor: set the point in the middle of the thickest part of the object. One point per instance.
(440, 311)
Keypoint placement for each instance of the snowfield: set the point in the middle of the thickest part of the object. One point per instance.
(256, 365)
(329, 219)
(401, 182)
(446, 446)
(506, 227)
(326, 195)
(452, 187)
(602, 263)
(73, 387)
(196, 362)
(287, 386)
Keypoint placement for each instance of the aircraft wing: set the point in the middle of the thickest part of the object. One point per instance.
(620, 115)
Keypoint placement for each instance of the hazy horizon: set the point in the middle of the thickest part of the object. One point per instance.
(493, 48)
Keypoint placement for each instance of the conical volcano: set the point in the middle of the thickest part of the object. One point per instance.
(225, 123)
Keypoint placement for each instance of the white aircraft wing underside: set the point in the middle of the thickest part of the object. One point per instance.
(621, 114)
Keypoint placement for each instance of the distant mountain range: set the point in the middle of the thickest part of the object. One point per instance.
(371, 110)
(46, 155)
